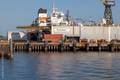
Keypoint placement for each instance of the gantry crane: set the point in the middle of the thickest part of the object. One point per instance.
(108, 12)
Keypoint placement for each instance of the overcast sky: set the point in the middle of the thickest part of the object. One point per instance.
(23, 12)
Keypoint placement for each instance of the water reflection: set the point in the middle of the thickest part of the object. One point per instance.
(63, 66)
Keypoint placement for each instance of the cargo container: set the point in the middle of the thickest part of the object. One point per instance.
(53, 37)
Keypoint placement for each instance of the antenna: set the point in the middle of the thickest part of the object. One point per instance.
(108, 12)
(68, 16)
(53, 6)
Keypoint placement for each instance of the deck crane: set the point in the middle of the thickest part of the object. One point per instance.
(108, 12)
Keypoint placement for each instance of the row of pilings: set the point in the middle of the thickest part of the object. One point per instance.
(38, 47)
(5, 52)
(65, 46)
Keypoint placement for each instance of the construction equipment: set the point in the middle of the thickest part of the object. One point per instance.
(108, 12)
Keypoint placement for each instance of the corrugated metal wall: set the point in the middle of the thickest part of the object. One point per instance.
(88, 32)
(97, 32)
(66, 30)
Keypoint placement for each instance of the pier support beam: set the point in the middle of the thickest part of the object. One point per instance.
(99, 47)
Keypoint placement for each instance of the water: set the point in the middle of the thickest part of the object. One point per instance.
(63, 66)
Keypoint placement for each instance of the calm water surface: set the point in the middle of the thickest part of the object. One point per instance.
(63, 66)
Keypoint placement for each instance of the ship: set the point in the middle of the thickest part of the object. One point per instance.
(59, 23)
(62, 24)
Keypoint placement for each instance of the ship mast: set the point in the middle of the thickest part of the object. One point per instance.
(53, 6)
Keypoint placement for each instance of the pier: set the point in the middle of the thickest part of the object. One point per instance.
(5, 50)
(5, 53)
(82, 45)
(41, 46)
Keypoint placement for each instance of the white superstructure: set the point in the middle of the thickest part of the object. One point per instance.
(58, 18)
(42, 17)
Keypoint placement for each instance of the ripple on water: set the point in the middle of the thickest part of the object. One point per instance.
(63, 66)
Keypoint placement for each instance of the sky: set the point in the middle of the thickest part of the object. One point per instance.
(22, 12)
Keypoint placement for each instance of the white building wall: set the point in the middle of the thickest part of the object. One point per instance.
(94, 32)
(66, 30)
(88, 32)
(97, 32)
